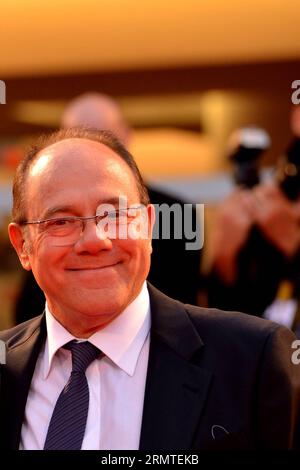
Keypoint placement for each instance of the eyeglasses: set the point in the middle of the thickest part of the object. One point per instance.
(67, 230)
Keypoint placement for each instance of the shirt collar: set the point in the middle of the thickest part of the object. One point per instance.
(121, 340)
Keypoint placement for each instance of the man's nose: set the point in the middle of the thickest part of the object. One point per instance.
(92, 239)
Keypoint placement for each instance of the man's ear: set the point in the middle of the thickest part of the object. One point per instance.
(17, 239)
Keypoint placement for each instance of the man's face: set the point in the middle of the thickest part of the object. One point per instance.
(93, 280)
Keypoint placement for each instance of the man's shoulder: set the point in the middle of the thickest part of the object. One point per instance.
(231, 320)
(215, 337)
(21, 332)
(229, 327)
(212, 324)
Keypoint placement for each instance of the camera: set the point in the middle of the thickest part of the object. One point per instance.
(245, 147)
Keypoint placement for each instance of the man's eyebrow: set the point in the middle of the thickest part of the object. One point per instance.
(56, 209)
(72, 209)
(112, 200)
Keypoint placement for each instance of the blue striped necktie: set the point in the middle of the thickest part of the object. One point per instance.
(68, 422)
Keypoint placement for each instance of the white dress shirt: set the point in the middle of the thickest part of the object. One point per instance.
(116, 381)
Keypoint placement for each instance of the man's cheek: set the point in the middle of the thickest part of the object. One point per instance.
(138, 230)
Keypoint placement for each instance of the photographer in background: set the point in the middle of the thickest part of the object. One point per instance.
(256, 240)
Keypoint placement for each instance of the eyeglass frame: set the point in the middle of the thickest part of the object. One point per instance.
(82, 219)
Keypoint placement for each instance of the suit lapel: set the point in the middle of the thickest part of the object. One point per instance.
(176, 388)
(22, 354)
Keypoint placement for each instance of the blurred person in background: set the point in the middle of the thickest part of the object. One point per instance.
(174, 270)
(256, 244)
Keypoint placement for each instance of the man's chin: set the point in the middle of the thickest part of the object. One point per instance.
(97, 317)
(98, 306)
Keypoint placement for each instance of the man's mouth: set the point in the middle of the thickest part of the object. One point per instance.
(93, 268)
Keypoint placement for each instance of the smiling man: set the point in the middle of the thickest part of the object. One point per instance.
(67, 180)
(113, 363)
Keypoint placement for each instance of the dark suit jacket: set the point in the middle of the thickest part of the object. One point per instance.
(216, 380)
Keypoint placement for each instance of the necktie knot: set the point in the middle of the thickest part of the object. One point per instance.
(83, 354)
